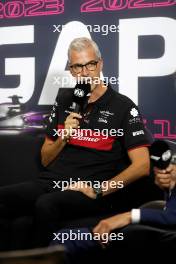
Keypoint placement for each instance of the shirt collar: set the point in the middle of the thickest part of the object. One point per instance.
(102, 100)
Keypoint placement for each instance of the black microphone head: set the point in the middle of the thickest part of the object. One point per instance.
(80, 94)
(160, 154)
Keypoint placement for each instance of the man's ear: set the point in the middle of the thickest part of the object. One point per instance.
(72, 73)
(76, 76)
(101, 64)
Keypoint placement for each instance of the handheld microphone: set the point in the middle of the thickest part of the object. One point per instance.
(80, 96)
(160, 154)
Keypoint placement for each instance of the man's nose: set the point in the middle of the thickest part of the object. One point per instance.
(84, 72)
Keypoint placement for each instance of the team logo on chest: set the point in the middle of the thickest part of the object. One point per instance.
(104, 116)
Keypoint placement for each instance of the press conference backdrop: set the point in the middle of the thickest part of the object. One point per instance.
(137, 39)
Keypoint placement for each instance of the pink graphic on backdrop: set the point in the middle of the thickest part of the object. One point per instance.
(165, 126)
(114, 5)
(31, 8)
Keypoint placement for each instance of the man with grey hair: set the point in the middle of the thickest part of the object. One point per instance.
(80, 44)
(107, 163)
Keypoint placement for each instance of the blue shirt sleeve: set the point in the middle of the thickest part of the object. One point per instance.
(166, 217)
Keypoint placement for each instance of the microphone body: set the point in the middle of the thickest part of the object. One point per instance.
(80, 96)
(160, 156)
(77, 108)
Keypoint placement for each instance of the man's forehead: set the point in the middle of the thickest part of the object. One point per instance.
(82, 56)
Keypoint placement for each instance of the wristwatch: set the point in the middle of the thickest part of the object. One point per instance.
(97, 191)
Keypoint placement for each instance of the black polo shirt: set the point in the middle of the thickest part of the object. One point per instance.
(110, 127)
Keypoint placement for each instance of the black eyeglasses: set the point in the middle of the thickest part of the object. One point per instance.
(90, 66)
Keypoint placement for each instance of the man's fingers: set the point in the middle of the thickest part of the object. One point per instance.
(97, 228)
(165, 181)
(157, 171)
(71, 123)
(74, 115)
(163, 176)
(173, 173)
(170, 168)
(102, 227)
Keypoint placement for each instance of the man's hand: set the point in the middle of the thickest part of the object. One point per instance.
(51, 149)
(84, 188)
(139, 167)
(109, 224)
(165, 178)
(72, 122)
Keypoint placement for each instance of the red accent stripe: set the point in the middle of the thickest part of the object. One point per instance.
(93, 142)
(60, 126)
(90, 139)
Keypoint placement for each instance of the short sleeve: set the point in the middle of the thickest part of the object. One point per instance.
(53, 121)
(135, 134)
